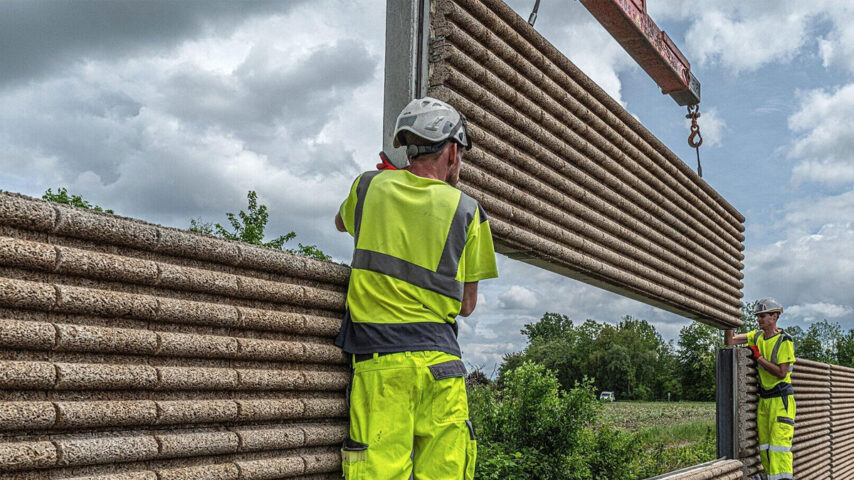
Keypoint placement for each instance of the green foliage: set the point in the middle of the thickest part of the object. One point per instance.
(749, 319)
(629, 358)
(533, 429)
(821, 342)
(698, 343)
(660, 457)
(249, 227)
(551, 326)
(62, 196)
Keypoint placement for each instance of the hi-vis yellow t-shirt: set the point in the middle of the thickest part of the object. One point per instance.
(777, 349)
(417, 242)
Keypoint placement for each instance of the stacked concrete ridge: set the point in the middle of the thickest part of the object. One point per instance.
(823, 445)
(137, 352)
(571, 181)
(715, 470)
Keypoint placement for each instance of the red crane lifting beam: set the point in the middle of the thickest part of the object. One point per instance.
(628, 22)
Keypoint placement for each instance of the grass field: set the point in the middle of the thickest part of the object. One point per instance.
(676, 435)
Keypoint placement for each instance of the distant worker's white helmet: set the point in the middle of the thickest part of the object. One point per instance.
(433, 120)
(767, 305)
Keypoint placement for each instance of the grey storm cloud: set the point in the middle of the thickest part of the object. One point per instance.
(40, 36)
(262, 94)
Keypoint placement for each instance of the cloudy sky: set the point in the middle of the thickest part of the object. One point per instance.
(167, 110)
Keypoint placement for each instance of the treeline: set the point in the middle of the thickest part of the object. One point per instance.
(824, 342)
(633, 360)
(630, 358)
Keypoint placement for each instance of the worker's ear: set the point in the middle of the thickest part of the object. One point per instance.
(452, 154)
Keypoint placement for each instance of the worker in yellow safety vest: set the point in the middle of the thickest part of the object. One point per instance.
(421, 246)
(774, 352)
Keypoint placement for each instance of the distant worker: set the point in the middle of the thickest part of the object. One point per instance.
(774, 352)
(421, 246)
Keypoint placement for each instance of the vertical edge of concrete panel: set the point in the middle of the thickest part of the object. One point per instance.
(726, 407)
(406, 64)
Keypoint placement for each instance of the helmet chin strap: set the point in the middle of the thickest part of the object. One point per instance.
(413, 151)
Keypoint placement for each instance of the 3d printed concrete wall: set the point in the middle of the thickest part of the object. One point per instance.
(130, 351)
(823, 446)
(716, 470)
(572, 182)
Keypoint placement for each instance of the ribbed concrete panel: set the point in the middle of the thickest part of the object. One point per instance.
(131, 351)
(823, 446)
(716, 470)
(571, 181)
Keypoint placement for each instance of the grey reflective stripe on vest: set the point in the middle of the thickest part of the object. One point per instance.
(361, 193)
(456, 241)
(776, 348)
(408, 272)
(443, 280)
(482, 214)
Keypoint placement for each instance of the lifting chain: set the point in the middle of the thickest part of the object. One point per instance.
(695, 139)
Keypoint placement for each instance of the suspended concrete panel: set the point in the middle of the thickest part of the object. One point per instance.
(571, 181)
(137, 352)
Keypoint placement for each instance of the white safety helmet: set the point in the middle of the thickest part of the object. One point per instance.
(434, 121)
(767, 305)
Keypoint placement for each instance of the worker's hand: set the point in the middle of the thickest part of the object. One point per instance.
(754, 352)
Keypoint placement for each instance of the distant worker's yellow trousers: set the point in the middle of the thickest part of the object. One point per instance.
(775, 422)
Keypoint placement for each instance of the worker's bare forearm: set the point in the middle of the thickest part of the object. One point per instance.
(469, 299)
(339, 223)
(778, 371)
(731, 339)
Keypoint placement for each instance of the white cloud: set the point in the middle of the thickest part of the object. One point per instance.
(746, 36)
(518, 297)
(742, 36)
(825, 144)
(837, 47)
(809, 266)
(184, 128)
(712, 127)
(808, 214)
(809, 312)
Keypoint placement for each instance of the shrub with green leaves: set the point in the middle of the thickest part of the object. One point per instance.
(248, 227)
(62, 196)
(529, 428)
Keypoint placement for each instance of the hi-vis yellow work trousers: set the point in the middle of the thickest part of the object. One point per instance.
(409, 417)
(775, 420)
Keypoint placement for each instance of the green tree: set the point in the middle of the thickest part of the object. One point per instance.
(249, 227)
(629, 358)
(550, 326)
(845, 349)
(698, 344)
(533, 429)
(821, 342)
(62, 196)
(748, 318)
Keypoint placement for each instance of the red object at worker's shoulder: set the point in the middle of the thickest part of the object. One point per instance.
(385, 163)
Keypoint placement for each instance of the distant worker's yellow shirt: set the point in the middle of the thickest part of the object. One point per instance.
(417, 242)
(777, 349)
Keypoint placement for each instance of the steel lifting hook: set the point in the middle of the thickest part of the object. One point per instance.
(695, 139)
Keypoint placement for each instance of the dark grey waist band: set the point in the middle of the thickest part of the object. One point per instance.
(358, 337)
